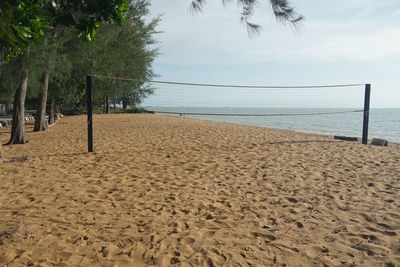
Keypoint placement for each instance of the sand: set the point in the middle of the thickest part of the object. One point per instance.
(172, 191)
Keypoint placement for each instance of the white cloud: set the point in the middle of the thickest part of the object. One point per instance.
(208, 38)
(380, 44)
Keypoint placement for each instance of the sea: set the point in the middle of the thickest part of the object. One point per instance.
(383, 123)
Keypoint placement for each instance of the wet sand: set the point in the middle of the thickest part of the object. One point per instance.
(169, 191)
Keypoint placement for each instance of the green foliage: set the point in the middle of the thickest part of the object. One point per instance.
(9, 79)
(23, 21)
(86, 16)
(47, 54)
(125, 50)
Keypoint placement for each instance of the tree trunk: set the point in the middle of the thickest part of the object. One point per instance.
(103, 104)
(107, 103)
(115, 104)
(124, 104)
(18, 135)
(51, 112)
(57, 111)
(40, 121)
(9, 108)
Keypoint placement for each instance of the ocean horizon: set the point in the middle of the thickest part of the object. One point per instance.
(384, 123)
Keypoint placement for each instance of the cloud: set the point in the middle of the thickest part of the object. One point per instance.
(216, 39)
(337, 45)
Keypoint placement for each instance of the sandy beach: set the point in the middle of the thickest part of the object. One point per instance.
(173, 191)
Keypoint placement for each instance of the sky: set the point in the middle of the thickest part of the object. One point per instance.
(342, 41)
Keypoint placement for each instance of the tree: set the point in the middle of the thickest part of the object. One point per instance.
(49, 65)
(125, 50)
(46, 57)
(63, 16)
(282, 10)
(23, 21)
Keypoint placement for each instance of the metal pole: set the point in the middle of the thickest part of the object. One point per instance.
(366, 113)
(89, 95)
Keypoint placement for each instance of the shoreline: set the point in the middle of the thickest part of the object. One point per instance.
(269, 127)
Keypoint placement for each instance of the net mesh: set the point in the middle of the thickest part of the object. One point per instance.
(202, 99)
(326, 109)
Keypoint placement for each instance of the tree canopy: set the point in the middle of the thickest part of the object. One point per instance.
(23, 21)
(126, 49)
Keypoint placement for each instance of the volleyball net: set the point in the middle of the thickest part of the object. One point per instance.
(328, 109)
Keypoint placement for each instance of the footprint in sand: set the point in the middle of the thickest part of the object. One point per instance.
(292, 199)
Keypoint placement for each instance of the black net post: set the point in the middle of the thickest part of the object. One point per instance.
(366, 113)
(89, 95)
